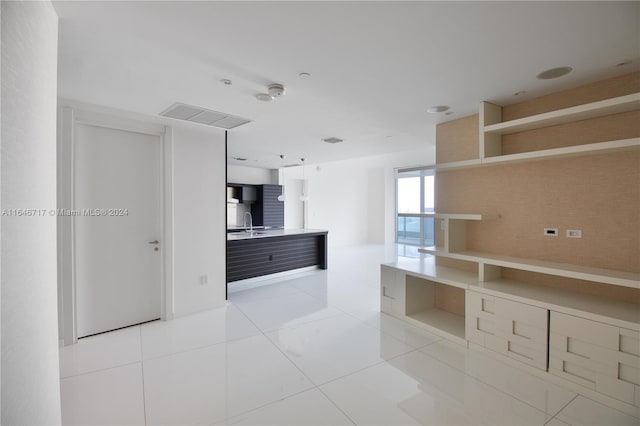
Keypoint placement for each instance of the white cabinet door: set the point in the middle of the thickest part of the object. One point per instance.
(392, 291)
(480, 319)
(514, 329)
(599, 356)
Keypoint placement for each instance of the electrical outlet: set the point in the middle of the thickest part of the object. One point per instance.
(551, 232)
(574, 233)
(204, 279)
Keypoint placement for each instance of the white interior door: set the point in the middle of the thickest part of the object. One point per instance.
(117, 265)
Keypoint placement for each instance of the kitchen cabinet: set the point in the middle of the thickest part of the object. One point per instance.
(267, 210)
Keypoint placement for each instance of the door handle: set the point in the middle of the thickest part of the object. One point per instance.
(156, 242)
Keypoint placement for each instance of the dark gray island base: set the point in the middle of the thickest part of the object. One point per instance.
(273, 251)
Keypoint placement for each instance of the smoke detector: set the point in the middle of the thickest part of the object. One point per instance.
(275, 90)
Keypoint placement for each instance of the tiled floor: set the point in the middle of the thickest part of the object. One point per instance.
(309, 349)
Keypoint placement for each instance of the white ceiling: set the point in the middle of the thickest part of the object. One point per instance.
(376, 66)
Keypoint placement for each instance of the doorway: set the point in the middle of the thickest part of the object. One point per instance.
(114, 223)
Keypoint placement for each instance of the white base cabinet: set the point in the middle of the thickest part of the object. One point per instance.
(599, 356)
(392, 291)
(514, 329)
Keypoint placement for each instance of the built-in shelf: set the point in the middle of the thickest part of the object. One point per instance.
(623, 314)
(569, 151)
(439, 321)
(426, 268)
(564, 152)
(455, 165)
(473, 216)
(567, 115)
(587, 273)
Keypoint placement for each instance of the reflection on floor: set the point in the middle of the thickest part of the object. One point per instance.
(307, 349)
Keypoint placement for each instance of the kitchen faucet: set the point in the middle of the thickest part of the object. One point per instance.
(250, 222)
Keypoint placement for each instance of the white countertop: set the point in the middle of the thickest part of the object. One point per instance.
(233, 236)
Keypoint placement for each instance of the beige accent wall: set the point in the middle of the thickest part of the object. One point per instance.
(598, 194)
(457, 140)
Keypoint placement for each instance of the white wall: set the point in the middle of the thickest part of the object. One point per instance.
(251, 175)
(355, 199)
(199, 218)
(29, 344)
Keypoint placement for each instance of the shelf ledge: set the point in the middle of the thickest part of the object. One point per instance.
(567, 115)
(472, 216)
(587, 273)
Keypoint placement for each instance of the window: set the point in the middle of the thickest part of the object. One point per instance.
(415, 214)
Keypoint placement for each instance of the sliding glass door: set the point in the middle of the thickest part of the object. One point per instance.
(415, 221)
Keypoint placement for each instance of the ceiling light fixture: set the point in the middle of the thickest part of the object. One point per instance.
(304, 75)
(437, 109)
(554, 73)
(333, 140)
(226, 81)
(623, 63)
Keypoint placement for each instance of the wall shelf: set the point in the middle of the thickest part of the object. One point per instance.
(630, 144)
(426, 268)
(586, 273)
(473, 216)
(566, 115)
(569, 151)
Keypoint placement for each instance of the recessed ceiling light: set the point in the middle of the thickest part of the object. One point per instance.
(264, 97)
(623, 63)
(333, 140)
(554, 73)
(437, 109)
(226, 81)
(304, 75)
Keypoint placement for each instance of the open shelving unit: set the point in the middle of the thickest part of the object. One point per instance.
(515, 306)
(492, 128)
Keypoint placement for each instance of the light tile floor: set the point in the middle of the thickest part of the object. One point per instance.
(307, 349)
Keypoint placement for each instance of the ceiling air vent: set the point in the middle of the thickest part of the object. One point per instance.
(203, 116)
(332, 140)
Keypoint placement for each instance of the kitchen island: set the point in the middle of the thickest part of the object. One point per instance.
(263, 252)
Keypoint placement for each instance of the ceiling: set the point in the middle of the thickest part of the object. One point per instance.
(375, 66)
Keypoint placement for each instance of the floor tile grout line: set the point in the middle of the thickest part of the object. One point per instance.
(144, 399)
(478, 379)
(335, 404)
(101, 370)
(608, 406)
(560, 410)
(196, 348)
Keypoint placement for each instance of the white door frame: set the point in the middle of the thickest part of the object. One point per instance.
(69, 117)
